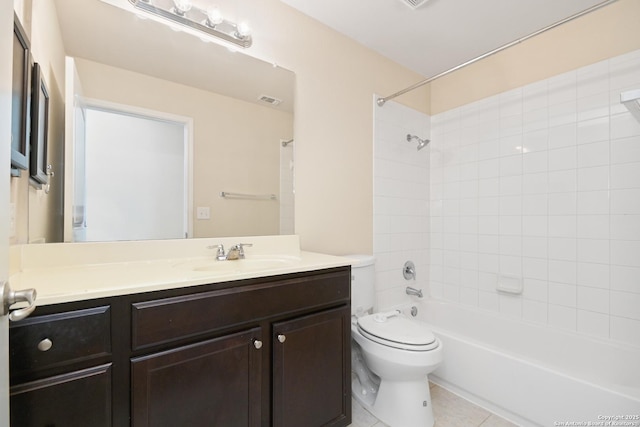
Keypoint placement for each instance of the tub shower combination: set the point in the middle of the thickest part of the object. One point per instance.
(530, 374)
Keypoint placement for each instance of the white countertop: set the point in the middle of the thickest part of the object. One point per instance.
(73, 272)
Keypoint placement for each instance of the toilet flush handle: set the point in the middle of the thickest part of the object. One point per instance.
(383, 317)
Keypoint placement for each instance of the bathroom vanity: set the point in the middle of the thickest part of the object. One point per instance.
(270, 347)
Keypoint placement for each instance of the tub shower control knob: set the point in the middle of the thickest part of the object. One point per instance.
(281, 338)
(45, 345)
(257, 344)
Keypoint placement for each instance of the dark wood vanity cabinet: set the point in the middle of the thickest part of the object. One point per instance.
(272, 351)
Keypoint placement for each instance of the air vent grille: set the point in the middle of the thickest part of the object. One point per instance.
(269, 99)
(414, 4)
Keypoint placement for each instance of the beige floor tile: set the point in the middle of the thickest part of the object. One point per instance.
(496, 421)
(451, 410)
(360, 417)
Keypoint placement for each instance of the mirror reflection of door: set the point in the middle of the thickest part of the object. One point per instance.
(134, 181)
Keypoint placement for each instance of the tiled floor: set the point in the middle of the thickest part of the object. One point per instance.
(449, 410)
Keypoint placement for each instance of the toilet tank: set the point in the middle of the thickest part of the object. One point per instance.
(362, 283)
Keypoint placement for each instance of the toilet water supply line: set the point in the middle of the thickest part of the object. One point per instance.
(382, 101)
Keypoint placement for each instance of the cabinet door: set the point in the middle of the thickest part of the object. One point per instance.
(312, 370)
(211, 383)
(80, 398)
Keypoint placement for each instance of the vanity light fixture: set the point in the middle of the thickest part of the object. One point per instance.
(209, 22)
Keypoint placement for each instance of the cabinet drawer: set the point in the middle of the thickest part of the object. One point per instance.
(75, 336)
(79, 398)
(170, 319)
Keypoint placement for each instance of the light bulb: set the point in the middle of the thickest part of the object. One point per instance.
(182, 6)
(214, 16)
(243, 29)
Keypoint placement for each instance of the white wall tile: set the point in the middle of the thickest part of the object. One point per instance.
(594, 275)
(563, 272)
(625, 278)
(625, 304)
(625, 150)
(562, 294)
(562, 158)
(626, 175)
(625, 252)
(625, 227)
(593, 226)
(594, 250)
(593, 299)
(535, 247)
(625, 201)
(595, 178)
(535, 162)
(536, 290)
(563, 249)
(624, 126)
(625, 330)
(534, 311)
(562, 317)
(563, 136)
(562, 225)
(593, 154)
(542, 181)
(488, 301)
(562, 181)
(594, 324)
(535, 268)
(594, 130)
(593, 203)
(562, 203)
(535, 204)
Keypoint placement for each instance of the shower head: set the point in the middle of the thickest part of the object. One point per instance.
(421, 142)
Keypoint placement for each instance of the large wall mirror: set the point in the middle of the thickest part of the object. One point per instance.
(234, 141)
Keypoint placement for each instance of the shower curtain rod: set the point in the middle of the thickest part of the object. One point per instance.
(382, 101)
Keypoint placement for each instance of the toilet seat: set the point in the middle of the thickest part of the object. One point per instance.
(397, 331)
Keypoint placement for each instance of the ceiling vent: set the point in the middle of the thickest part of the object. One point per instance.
(414, 4)
(269, 100)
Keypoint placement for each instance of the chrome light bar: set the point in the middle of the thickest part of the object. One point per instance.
(209, 22)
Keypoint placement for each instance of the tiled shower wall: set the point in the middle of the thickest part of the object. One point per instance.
(542, 184)
(401, 202)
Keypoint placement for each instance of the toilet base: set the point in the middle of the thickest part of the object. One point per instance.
(399, 403)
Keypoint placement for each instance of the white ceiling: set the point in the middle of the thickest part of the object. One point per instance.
(101, 32)
(440, 34)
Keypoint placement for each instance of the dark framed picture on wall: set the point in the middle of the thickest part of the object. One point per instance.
(39, 127)
(20, 98)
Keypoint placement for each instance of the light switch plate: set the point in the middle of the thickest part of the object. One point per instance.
(203, 212)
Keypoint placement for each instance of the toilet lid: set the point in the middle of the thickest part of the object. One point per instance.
(397, 331)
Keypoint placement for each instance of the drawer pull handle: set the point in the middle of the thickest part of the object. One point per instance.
(282, 338)
(45, 345)
(257, 344)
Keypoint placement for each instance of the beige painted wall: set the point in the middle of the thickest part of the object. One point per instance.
(610, 31)
(236, 145)
(39, 215)
(335, 82)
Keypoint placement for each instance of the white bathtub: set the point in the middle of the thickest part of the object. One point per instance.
(530, 374)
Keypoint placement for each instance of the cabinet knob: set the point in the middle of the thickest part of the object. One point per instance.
(45, 344)
(282, 338)
(257, 344)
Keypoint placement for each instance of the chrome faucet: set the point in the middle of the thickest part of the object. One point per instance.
(414, 291)
(236, 251)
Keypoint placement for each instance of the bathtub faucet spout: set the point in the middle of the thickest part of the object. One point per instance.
(414, 291)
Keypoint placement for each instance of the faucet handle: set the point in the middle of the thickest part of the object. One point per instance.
(220, 251)
(240, 247)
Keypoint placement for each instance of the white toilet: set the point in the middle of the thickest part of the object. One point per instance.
(391, 356)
